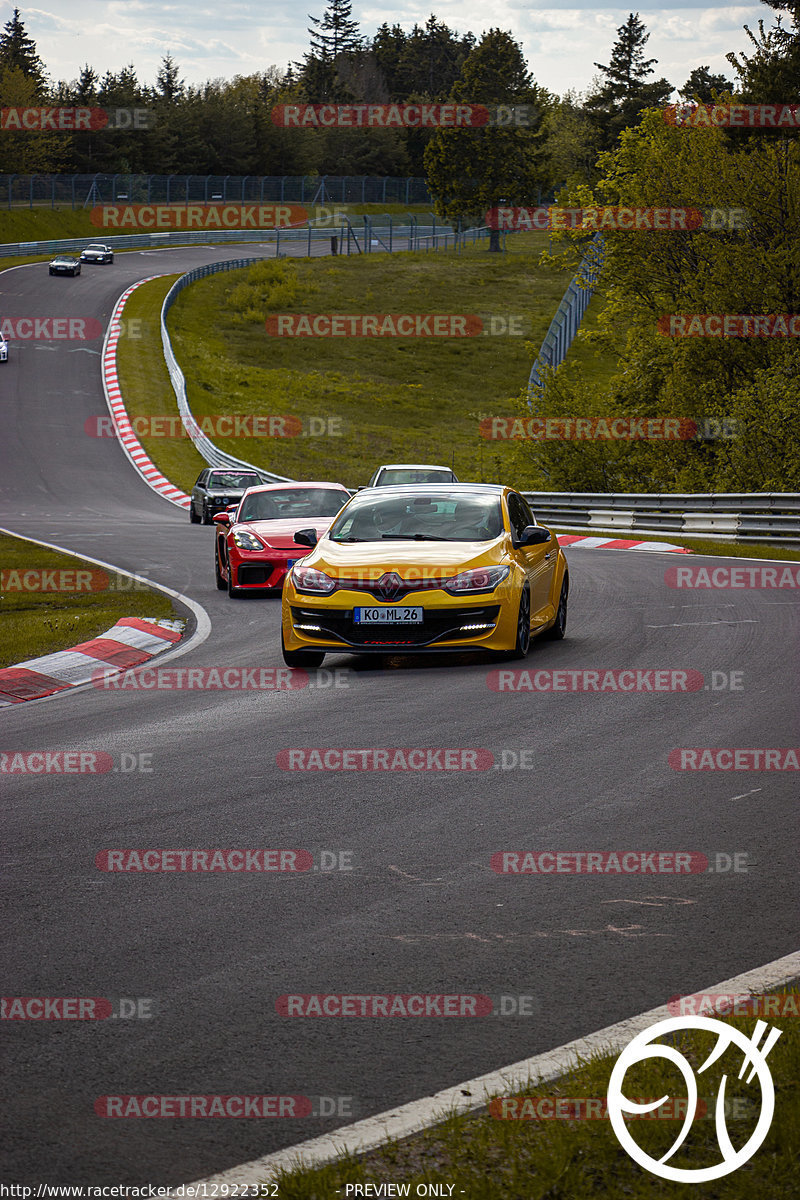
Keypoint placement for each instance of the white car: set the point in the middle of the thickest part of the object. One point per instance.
(97, 253)
(3, 348)
(396, 474)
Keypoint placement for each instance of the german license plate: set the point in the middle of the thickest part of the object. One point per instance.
(403, 614)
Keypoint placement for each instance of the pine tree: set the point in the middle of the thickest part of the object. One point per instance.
(626, 91)
(168, 83)
(334, 35)
(702, 84)
(18, 52)
(772, 72)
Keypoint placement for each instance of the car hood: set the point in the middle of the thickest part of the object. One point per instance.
(376, 557)
(281, 531)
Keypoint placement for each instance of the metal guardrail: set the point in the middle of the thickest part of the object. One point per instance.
(738, 516)
(569, 314)
(205, 447)
(387, 233)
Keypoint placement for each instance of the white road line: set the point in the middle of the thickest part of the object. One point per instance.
(474, 1093)
(691, 624)
(202, 628)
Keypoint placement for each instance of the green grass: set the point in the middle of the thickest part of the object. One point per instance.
(492, 1159)
(390, 399)
(34, 623)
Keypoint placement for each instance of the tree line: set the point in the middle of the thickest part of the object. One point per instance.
(226, 127)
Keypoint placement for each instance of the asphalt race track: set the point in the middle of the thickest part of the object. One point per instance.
(421, 911)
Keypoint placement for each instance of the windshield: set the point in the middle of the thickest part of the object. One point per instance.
(412, 475)
(438, 517)
(237, 480)
(292, 503)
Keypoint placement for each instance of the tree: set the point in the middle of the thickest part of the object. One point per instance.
(772, 72)
(470, 170)
(572, 141)
(752, 268)
(626, 91)
(702, 85)
(18, 52)
(334, 36)
(168, 83)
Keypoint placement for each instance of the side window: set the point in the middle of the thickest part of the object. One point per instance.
(201, 479)
(526, 508)
(517, 515)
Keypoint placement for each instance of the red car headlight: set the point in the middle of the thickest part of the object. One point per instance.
(479, 579)
(309, 579)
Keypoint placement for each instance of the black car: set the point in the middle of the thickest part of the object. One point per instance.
(216, 488)
(65, 264)
(97, 253)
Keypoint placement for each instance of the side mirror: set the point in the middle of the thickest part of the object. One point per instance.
(306, 537)
(222, 518)
(533, 535)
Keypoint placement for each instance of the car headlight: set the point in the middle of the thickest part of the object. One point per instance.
(479, 579)
(308, 579)
(246, 541)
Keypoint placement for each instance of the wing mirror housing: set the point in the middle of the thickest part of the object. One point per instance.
(533, 535)
(222, 518)
(306, 537)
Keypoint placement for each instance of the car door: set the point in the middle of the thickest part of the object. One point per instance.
(539, 560)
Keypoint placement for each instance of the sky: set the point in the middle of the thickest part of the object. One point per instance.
(235, 37)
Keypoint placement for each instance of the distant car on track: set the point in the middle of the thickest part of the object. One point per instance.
(65, 264)
(3, 348)
(255, 545)
(216, 489)
(97, 252)
(396, 474)
(410, 570)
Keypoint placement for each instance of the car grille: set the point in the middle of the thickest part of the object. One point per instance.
(439, 625)
(256, 575)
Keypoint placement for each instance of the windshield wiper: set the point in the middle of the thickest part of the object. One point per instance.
(414, 537)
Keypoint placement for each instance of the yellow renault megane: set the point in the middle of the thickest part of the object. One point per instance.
(425, 568)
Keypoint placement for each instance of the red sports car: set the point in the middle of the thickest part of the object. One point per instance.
(255, 544)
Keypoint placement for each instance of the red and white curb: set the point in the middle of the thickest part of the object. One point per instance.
(473, 1094)
(116, 406)
(577, 542)
(127, 644)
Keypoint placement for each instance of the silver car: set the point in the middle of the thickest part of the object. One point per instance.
(398, 474)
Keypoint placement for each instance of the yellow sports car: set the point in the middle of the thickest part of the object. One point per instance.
(425, 568)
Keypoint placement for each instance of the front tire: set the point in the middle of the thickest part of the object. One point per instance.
(193, 517)
(558, 630)
(206, 514)
(233, 592)
(301, 658)
(523, 642)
